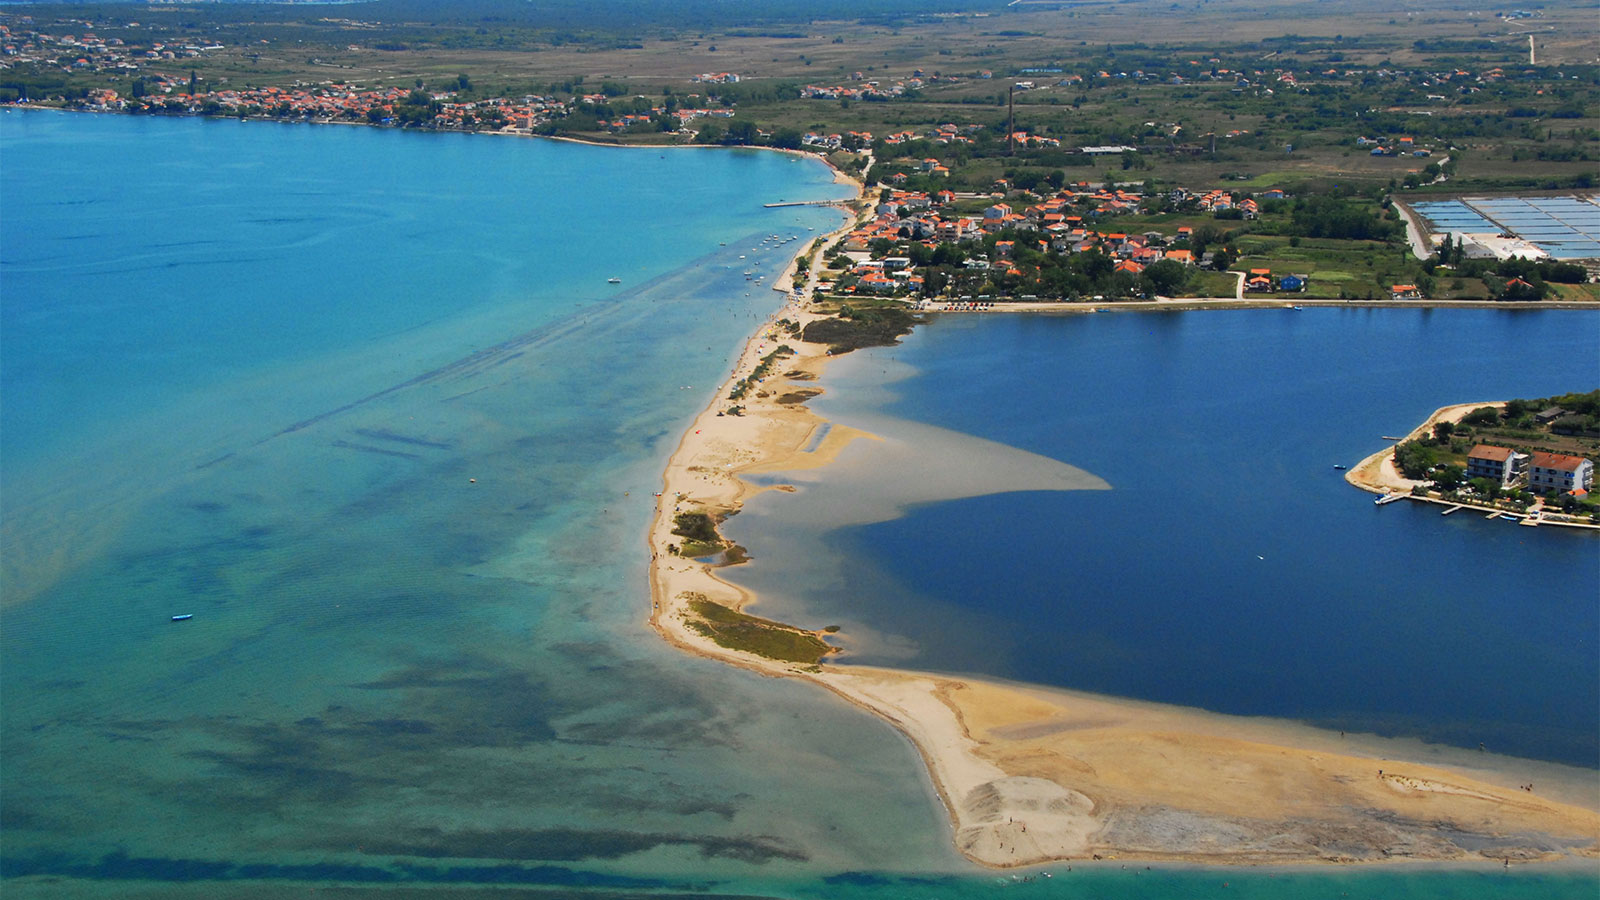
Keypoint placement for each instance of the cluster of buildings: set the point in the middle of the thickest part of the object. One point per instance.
(1259, 280)
(1066, 222)
(1213, 70)
(682, 115)
(1393, 146)
(865, 90)
(332, 101)
(849, 140)
(1540, 473)
(87, 51)
(946, 134)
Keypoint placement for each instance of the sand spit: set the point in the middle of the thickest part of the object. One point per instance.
(1378, 474)
(1029, 774)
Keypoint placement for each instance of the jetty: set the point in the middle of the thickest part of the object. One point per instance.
(805, 203)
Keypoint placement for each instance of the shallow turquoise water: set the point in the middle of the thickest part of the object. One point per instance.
(249, 372)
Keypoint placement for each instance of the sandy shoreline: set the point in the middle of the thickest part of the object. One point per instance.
(1030, 774)
(1377, 473)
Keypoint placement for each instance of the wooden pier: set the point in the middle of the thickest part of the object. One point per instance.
(806, 203)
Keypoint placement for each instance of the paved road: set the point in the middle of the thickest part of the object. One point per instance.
(1415, 232)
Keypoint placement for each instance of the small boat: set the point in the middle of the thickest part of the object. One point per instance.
(1339, 467)
(183, 618)
(1508, 517)
(613, 280)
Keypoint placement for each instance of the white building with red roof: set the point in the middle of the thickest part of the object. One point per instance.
(1502, 464)
(1559, 472)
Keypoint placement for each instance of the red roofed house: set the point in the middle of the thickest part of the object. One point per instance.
(1502, 464)
(1557, 472)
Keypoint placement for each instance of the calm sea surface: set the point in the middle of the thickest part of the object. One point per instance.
(363, 403)
(1230, 567)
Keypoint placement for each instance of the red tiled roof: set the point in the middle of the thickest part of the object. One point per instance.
(1559, 461)
(1489, 451)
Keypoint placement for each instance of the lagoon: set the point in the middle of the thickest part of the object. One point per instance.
(1229, 567)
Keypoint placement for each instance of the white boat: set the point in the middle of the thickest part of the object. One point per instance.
(613, 280)
(183, 618)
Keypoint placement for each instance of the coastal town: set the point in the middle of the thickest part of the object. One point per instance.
(993, 207)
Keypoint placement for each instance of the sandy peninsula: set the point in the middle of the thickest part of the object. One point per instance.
(1030, 774)
(1378, 474)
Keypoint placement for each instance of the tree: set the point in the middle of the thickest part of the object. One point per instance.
(1443, 430)
(740, 133)
(1449, 477)
(1414, 459)
(787, 138)
(1166, 277)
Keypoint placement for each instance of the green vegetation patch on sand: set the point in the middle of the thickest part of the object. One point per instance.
(696, 525)
(858, 326)
(750, 634)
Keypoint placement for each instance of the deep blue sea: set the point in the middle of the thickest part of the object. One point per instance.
(364, 404)
(1230, 567)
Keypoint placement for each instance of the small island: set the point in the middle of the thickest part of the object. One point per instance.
(1527, 459)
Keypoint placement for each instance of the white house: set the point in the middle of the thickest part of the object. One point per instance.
(1558, 472)
(1502, 464)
